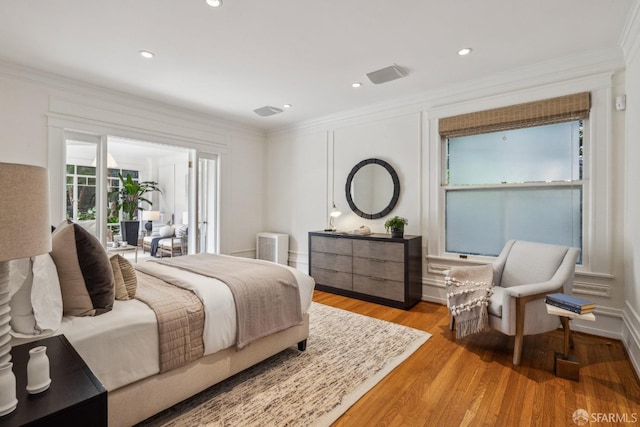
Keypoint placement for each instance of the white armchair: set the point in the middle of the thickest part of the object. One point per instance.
(523, 274)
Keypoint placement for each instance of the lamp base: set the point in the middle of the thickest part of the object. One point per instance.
(5, 316)
(148, 226)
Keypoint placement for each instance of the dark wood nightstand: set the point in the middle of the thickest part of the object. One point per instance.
(75, 398)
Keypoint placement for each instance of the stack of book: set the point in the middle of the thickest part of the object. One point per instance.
(570, 303)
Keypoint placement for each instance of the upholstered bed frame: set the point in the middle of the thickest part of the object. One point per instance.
(140, 400)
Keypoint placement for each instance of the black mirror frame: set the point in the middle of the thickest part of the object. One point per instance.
(396, 188)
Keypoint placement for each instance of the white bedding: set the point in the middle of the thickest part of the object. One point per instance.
(121, 346)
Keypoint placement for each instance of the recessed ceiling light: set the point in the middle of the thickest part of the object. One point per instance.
(146, 54)
(287, 105)
(464, 51)
(214, 3)
(356, 84)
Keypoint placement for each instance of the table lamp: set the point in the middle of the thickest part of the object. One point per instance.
(150, 216)
(334, 213)
(25, 230)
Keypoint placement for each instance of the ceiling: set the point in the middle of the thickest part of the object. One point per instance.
(248, 54)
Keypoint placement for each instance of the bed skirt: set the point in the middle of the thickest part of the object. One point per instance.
(164, 390)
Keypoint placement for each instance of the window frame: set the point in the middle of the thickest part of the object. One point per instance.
(600, 213)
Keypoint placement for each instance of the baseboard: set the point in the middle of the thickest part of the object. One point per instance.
(631, 336)
(299, 261)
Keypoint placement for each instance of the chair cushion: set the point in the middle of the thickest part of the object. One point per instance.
(495, 302)
(167, 231)
(530, 262)
(166, 243)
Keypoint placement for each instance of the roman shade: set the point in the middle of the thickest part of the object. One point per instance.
(537, 113)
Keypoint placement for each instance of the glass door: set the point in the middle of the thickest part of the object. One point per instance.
(82, 181)
(207, 203)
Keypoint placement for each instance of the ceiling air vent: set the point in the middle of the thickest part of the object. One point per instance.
(386, 74)
(267, 111)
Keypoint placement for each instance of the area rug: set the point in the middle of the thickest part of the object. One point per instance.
(347, 354)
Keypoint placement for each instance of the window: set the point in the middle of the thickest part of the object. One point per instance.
(520, 180)
(81, 192)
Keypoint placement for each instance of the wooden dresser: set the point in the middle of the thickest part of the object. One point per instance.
(374, 268)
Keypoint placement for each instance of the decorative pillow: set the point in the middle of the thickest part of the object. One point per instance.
(129, 276)
(36, 304)
(181, 230)
(166, 231)
(86, 277)
(121, 289)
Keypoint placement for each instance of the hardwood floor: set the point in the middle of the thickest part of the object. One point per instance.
(472, 381)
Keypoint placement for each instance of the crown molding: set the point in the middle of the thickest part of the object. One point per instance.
(630, 36)
(102, 95)
(545, 73)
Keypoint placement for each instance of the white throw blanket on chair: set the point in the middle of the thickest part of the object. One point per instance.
(468, 292)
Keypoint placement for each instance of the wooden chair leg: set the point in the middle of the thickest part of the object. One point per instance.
(517, 347)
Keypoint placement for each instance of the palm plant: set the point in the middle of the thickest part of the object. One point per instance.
(131, 193)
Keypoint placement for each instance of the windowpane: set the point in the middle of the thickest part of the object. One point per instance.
(86, 198)
(479, 222)
(87, 170)
(537, 154)
(134, 174)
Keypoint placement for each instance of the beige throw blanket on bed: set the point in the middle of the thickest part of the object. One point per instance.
(180, 318)
(468, 292)
(266, 295)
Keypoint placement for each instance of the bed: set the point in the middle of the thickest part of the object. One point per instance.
(123, 345)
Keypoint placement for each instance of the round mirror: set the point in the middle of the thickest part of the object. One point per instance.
(372, 188)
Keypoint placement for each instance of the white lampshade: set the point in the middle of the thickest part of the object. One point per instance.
(24, 226)
(150, 215)
(333, 213)
(111, 162)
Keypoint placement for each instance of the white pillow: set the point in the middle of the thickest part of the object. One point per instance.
(166, 231)
(36, 304)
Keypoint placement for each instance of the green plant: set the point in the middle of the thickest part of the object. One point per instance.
(131, 193)
(88, 215)
(395, 223)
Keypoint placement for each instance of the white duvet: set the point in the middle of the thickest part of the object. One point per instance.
(121, 346)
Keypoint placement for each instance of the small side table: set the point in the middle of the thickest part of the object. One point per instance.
(123, 249)
(75, 398)
(566, 365)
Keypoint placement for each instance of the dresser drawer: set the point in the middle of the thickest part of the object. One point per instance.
(331, 245)
(389, 289)
(331, 261)
(335, 279)
(382, 269)
(389, 251)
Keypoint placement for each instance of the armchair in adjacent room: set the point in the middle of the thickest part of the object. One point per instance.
(523, 274)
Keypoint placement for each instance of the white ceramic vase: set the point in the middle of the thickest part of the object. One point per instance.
(8, 401)
(38, 379)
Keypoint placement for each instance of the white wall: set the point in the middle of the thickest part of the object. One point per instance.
(406, 136)
(36, 107)
(631, 331)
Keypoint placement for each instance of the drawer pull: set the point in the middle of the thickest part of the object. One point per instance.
(377, 279)
(376, 260)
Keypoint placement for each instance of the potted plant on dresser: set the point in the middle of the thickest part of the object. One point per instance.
(396, 225)
(130, 195)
